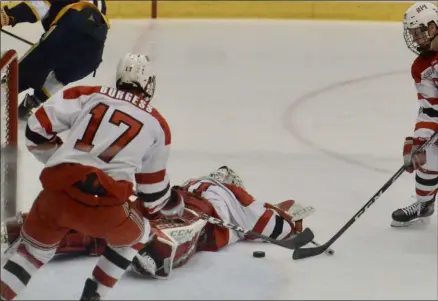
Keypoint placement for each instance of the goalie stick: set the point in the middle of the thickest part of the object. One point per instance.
(297, 241)
(301, 253)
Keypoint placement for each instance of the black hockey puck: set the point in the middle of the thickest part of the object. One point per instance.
(258, 254)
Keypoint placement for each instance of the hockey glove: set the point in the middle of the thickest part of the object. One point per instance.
(413, 160)
(175, 205)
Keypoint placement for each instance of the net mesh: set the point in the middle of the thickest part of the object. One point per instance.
(8, 158)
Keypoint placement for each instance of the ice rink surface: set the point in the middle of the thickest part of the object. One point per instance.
(313, 111)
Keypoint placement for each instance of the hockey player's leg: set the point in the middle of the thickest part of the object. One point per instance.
(86, 41)
(124, 242)
(34, 69)
(258, 216)
(426, 184)
(72, 243)
(234, 204)
(40, 236)
(84, 59)
(27, 259)
(78, 45)
(68, 52)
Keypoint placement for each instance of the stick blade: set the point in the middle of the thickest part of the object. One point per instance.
(301, 253)
(299, 240)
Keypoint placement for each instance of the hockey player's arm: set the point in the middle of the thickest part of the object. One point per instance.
(427, 119)
(153, 185)
(54, 117)
(27, 11)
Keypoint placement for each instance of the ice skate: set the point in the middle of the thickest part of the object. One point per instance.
(412, 214)
(90, 291)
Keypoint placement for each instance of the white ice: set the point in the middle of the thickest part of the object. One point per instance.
(314, 111)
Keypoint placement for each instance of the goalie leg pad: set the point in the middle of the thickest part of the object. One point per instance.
(174, 243)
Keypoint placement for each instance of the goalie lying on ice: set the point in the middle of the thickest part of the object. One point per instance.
(221, 195)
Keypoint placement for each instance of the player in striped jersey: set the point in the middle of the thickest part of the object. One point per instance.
(115, 139)
(70, 49)
(421, 36)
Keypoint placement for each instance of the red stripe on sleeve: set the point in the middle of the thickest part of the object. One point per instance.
(164, 125)
(44, 120)
(426, 125)
(432, 100)
(150, 178)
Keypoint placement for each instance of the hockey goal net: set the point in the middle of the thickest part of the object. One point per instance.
(9, 132)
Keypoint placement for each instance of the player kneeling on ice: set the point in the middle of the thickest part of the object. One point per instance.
(115, 138)
(421, 36)
(221, 195)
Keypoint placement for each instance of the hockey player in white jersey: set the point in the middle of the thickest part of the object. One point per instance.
(421, 36)
(115, 138)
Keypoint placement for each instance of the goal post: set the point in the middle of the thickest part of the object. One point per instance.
(9, 132)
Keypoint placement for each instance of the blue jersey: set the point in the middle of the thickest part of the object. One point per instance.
(51, 11)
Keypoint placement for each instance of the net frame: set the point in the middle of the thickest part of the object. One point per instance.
(9, 128)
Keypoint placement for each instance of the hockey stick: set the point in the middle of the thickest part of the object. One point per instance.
(297, 241)
(300, 253)
(299, 214)
(17, 37)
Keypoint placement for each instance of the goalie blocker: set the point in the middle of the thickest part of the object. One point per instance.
(176, 241)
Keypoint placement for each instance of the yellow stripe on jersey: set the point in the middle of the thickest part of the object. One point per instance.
(78, 6)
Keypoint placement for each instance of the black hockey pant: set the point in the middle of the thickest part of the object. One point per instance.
(68, 51)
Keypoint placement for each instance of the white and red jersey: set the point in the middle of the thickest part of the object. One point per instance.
(112, 130)
(425, 74)
(235, 205)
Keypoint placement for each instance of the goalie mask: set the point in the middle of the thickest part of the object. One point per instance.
(134, 73)
(226, 175)
(420, 27)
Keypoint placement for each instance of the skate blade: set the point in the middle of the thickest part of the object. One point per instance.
(417, 221)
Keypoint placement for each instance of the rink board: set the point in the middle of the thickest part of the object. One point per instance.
(251, 9)
(314, 10)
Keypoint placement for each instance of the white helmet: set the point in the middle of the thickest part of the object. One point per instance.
(226, 175)
(416, 21)
(134, 72)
